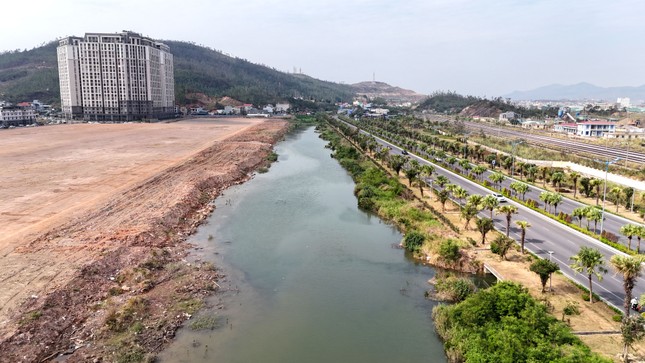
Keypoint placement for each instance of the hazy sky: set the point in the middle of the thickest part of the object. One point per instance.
(480, 47)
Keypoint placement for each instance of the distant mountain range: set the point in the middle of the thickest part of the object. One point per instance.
(33, 74)
(580, 91)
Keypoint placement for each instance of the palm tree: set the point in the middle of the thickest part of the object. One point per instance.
(443, 196)
(593, 214)
(396, 163)
(573, 176)
(490, 202)
(479, 170)
(596, 183)
(545, 197)
(629, 231)
(507, 210)
(497, 178)
(616, 196)
(631, 269)
(476, 200)
(639, 235)
(556, 179)
(411, 172)
(460, 193)
(555, 199)
(523, 225)
(485, 225)
(442, 180)
(589, 261)
(580, 214)
(468, 212)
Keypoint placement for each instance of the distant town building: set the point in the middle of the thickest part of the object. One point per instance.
(282, 107)
(507, 116)
(624, 102)
(588, 128)
(16, 115)
(120, 77)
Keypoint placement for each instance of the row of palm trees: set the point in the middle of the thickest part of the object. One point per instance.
(444, 149)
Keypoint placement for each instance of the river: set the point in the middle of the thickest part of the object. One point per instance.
(309, 276)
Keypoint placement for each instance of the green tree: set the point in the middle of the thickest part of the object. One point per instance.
(441, 181)
(411, 173)
(497, 178)
(479, 170)
(593, 214)
(632, 329)
(501, 245)
(616, 194)
(631, 269)
(507, 211)
(574, 176)
(490, 202)
(544, 269)
(639, 235)
(396, 163)
(629, 231)
(590, 262)
(443, 196)
(579, 213)
(485, 225)
(475, 199)
(596, 183)
(585, 182)
(413, 241)
(460, 193)
(468, 212)
(524, 225)
(546, 198)
(557, 178)
(449, 251)
(555, 199)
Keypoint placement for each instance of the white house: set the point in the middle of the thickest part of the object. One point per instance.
(507, 116)
(282, 107)
(587, 128)
(14, 115)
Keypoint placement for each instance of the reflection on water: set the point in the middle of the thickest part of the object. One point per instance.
(310, 278)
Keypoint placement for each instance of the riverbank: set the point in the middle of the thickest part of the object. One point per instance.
(124, 287)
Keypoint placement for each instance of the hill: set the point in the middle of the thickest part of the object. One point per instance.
(469, 106)
(33, 74)
(386, 92)
(580, 91)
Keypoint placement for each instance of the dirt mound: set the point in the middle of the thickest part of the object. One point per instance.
(136, 289)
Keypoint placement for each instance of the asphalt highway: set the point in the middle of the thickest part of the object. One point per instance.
(546, 235)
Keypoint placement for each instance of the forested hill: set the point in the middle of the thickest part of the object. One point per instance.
(33, 74)
(202, 70)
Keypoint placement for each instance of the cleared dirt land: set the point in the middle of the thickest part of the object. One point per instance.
(74, 196)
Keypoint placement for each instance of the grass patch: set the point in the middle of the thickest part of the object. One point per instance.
(206, 322)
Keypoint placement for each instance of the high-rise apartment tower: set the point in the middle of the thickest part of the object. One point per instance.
(115, 77)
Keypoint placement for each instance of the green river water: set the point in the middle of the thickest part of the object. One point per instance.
(309, 276)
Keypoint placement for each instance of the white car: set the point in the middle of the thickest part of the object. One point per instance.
(500, 198)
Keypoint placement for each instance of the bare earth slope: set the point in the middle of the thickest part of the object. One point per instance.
(80, 203)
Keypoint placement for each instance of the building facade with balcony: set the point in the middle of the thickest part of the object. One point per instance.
(15, 115)
(115, 77)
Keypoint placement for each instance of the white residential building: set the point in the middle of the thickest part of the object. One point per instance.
(121, 77)
(282, 107)
(14, 115)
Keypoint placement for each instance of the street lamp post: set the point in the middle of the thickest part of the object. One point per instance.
(604, 196)
(551, 274)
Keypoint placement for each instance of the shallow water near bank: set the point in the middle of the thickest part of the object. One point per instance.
(309, 276)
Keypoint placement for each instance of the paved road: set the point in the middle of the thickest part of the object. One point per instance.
(601, 151)
(546, 235)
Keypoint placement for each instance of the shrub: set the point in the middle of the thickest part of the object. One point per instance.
(413, 241)
(449, 251)
(610, 236)
(617, 318)
(453, 288)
